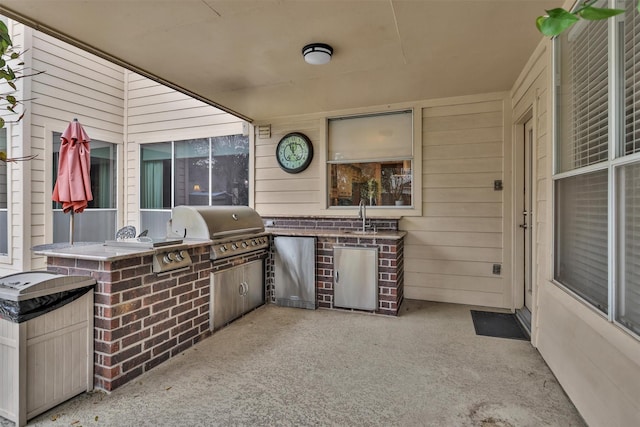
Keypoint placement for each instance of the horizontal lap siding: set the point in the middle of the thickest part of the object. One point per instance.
(75, 84)
(277, 192)
(156, 113)
(17, 173)
(451, 249)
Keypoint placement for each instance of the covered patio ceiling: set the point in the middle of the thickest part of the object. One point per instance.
(244, 56)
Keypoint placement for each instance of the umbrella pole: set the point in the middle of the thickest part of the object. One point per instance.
(71, 227)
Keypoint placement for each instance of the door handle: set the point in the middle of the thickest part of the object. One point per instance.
(337, 276)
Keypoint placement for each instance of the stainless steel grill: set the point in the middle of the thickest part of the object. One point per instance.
(234, 230)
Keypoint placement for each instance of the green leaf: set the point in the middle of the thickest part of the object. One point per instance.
(10, 108)
(555, 22)
(13, 85)
(1, 122)
(2, 62)
(12, 75)
(15, 55)
(595, 13)
(12, 99)
(4, 33)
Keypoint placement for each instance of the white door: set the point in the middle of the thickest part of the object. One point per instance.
(527, 214)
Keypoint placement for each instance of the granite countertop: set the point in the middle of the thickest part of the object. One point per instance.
(98, 251)
(320, 232)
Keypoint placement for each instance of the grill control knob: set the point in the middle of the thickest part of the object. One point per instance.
(179, 256)
(244, 244)
(223, 248)
(253, 242)
(168, 257)
(234, 246)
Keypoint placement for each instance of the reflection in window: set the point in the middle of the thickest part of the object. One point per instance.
(98, 222)
(370, 160)
(196, 172)
(377, 183)
(102, 173)
(155, 176)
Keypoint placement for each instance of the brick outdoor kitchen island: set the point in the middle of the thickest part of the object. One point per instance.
(144, 318)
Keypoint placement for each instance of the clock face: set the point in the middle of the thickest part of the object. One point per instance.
(294, 152)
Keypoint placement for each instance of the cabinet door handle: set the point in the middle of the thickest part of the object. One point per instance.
(241, 288)
(337, 276)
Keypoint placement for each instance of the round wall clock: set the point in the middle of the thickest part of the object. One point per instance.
(294, 152)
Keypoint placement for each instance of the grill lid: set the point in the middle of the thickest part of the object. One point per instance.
(213, 222)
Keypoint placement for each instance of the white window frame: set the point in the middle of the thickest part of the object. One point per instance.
(8, 257)
(615, 160)
(396, 211)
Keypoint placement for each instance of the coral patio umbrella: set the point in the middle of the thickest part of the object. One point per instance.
(73, 184)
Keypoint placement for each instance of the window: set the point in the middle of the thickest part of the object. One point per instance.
(627, 173)
(370, 159)
(597, 165)
(98, 222)
(4, 225)
(202, 172)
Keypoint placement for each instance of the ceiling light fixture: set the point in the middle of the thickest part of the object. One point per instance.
(317, 53)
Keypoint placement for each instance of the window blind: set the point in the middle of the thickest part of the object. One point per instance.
(585, 85)
(371, 137)
(581, 236)
(631, 79)
(628, 182)
(628, 308)
(581, 261)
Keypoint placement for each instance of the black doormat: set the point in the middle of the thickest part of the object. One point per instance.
(500, 325)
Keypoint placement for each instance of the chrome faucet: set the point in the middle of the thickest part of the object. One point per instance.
(362, 214)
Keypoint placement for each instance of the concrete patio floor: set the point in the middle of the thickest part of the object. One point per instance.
(292, 367)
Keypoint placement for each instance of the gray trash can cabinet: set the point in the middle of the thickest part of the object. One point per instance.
(46, 342)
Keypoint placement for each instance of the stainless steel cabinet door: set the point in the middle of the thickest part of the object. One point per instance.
(253, 278)
(295, 271)
(355, 278)
(226, 294)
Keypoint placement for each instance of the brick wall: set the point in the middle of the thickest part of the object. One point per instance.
(390, 270)
(330, 223)
(142, 318)
(390, 259)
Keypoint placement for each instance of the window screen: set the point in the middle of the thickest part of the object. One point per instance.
(581, 236)
(583, 96)
(628, 310)
(631, 54)
(4, 226)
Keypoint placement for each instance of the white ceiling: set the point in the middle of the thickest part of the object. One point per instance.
(245, 55)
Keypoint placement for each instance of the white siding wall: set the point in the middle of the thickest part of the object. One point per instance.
(597, 363)
(277, 192)
(18, 173)
(113, 105)
(156, 113)
(74, 85)
(451, 249)
(78, 85)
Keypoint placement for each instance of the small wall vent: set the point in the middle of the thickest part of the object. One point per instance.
(264, 131)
